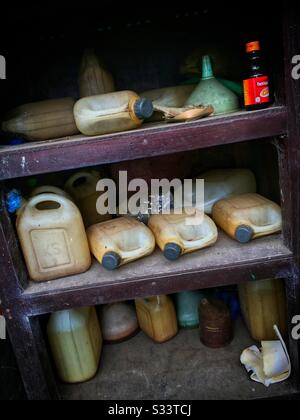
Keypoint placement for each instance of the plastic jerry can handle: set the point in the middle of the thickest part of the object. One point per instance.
(265, 229)
(80, 175)
(63, 202)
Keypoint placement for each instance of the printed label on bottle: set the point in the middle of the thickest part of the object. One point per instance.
(256, 90)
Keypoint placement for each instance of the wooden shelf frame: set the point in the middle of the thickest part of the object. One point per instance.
(22, 301)
(152, 140)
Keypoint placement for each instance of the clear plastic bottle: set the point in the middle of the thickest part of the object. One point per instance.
(223, 183)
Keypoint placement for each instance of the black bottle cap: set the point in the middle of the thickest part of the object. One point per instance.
(143, 108)
(172, 251)
(244, 234)
(111, 261)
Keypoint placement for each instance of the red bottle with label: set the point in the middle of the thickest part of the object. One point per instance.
(256, 86)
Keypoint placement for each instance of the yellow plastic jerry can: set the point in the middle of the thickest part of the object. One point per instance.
(53, 238)
(120, 241)
(157, 317)
(76, 342)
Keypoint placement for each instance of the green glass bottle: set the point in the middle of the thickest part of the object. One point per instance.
(211, 92)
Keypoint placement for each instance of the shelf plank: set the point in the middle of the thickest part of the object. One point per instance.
(228, 262)
(151, 140)
(181, 369)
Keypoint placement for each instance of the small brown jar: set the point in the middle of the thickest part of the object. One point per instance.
(216, 328)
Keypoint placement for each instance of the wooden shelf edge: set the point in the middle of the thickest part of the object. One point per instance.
(81, 151)
(43, 303)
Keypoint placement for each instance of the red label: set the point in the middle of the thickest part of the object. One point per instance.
(256, 90)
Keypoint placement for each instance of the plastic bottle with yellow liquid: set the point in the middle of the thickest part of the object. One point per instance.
(176, 237)
(157, 317)
(76, 342)
(263, 305)
(120, 241)
(248, 216)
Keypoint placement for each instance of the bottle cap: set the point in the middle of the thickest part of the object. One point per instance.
(14, 201)
(172, 251)
(16, 141)
(244, 234)
(207, 71)
(143, 108)
(253, 46)
(111, 261)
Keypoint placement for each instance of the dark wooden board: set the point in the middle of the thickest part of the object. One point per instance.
(228, 262)
(82, 151)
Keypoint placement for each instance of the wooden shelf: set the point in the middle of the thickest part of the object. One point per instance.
(182, 369)
(151, 140)
(228, 262)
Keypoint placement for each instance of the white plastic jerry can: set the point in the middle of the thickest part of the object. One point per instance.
(76, 342)
(176, 237)
(223, 183)
(120, 241)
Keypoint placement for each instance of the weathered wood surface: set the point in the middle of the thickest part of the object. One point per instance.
(81, 151)
(228, 262)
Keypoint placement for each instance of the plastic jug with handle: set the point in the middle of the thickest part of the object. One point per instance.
(120, 241)
(157, 317)
(51, 189)
(223, 183)
(82, 186)
(76, 343)
(53, 238)
(111, 113)
(247, 217)
(176, 237)
(263, 305)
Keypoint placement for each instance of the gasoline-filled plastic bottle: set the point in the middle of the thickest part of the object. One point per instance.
(247, 216)
(111, 113)
(263, 304)
(175, 237)
(256, 85)
(120, 241)
(157, 317)
(76, 342)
